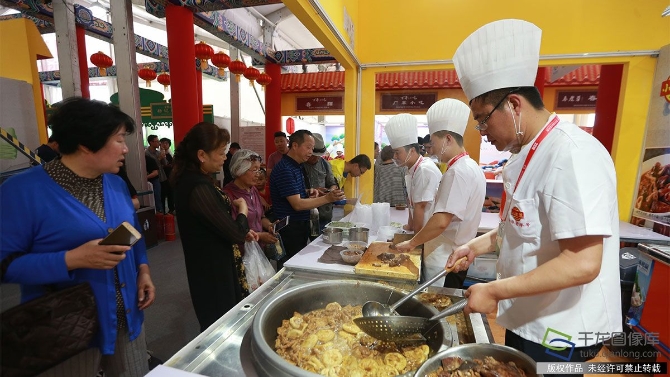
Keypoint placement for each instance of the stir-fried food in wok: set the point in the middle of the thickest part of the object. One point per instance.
(328, 342)
(488, 367)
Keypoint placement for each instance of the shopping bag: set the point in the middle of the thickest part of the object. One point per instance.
(257, 267)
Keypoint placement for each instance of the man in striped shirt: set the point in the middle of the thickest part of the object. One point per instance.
(291, 195)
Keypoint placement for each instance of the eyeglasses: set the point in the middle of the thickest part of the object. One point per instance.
(482, 126)
(256, 171)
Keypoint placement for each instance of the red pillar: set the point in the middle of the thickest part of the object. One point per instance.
(272, 107)
(83, 62)
(180, 34)
(540, 79)
(607, 104)
(198, 82)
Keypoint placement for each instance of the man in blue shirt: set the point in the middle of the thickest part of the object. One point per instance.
(291, 196)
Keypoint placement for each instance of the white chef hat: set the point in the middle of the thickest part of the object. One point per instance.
(402, 130)
(448, 115)
(501, 54)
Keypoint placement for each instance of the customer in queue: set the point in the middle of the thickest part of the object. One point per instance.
(457, 209)
(53, 218)
(320, 176)
(389, 184)
(558, 236)
(422, 177)
(355, 167)
(291, 196)
(281, 143)
(245, 167)
(209, 234)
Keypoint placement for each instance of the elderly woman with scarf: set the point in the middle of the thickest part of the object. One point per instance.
(245, 167)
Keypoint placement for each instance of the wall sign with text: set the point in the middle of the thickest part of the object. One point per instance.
(319, 103)
(569, 99)
(408, 101)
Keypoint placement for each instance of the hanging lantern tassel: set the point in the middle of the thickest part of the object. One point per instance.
(238, 68)
(264, 79)
(164, 78)
(221, 61)
(203, 52)
(251, 74)
(102, 61)
(148, 75)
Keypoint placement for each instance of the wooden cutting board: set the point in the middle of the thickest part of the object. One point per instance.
(409, 270)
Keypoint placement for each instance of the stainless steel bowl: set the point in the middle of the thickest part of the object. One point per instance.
(332, 236)
(479, 351)
(317, 295)
(359, 234)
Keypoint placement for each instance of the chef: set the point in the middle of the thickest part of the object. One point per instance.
(422, 176)
(457, 209)
(557, 292)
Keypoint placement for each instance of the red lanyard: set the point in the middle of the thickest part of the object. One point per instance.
(418, 163)
(453, 160)
(531, 152)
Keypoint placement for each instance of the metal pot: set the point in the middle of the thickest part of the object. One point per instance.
(332, 236)
(359, 234)
(479, 351)
(317, 295)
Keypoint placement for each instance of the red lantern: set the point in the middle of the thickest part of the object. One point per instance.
(264, 79)
(148, 75)
(290, 125)
(221, 61)
(237, 67)
(251, 74)
(164, 78)
(102, 61)
(203, 52)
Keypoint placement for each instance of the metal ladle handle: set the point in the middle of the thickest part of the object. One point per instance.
(453, 309)
(428, 283)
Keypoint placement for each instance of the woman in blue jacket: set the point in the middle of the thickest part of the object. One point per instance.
(53, 217)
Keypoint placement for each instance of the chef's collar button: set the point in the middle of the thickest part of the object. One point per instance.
(508, 185)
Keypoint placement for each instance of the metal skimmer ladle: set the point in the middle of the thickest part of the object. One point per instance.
(404, 328)
(377, 309)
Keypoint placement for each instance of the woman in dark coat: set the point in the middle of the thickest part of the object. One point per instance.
(209, 233)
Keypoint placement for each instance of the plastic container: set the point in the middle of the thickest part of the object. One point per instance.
(355, 245)
(483, 268)
(351, 256)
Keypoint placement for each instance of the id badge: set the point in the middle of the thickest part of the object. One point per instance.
(499, 236)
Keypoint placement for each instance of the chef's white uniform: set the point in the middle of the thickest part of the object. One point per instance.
(567, 191)
(461, 193)
(422, 180)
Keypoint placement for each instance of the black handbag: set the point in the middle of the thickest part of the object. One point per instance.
(48, 330)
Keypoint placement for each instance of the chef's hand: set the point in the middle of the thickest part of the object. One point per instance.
(251, 236)
(146, 291)
(460, 252)
(404, 247)
(481, 299)
(95, 256)
(267, 237)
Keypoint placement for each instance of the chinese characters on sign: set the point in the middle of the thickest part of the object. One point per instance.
(408, 101)
(602, 368)
(585, 99)
(319, 103)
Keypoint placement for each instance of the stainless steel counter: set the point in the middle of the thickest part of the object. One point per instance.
(224, 348)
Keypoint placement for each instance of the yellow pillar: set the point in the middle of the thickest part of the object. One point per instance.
(636, 86)
(20, 45)
(367, 131)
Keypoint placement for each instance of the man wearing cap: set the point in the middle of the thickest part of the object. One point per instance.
(559, 231)
(458, 205)
(320, 176)
(422, 176)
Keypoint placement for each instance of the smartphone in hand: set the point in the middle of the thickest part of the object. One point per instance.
(124, 235)
(280, 224)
